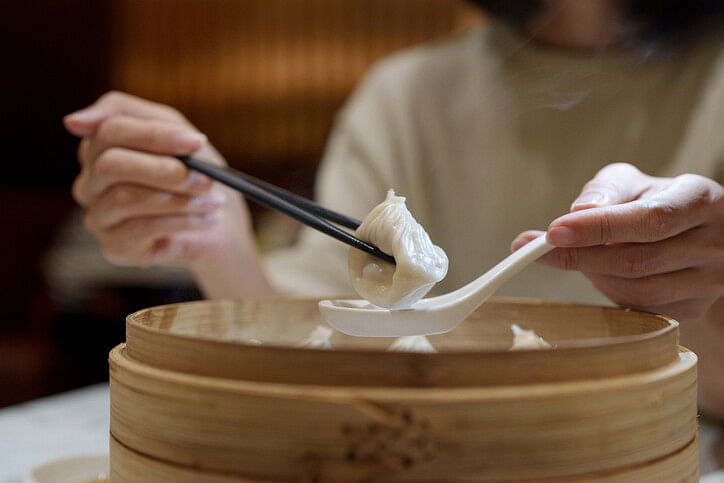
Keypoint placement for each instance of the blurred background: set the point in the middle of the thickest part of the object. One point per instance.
(262, 78)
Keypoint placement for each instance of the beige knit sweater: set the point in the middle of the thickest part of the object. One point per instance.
(488, 134)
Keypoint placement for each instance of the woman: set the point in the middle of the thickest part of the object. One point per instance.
(487, 134)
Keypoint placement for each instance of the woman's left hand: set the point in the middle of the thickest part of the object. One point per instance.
(653, 244)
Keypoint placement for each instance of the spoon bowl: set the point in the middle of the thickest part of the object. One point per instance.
(434, 315)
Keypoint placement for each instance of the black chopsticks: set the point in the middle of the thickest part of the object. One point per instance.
(294, 206)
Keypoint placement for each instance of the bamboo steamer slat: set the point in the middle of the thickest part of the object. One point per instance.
(130, 466)
(203, 338)
(590, 424)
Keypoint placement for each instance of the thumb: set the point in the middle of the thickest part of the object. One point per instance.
(85, 121)
(614, 184)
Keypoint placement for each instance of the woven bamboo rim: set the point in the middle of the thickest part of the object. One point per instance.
(592, 342)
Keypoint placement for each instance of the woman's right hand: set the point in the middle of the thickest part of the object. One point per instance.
(146, 208)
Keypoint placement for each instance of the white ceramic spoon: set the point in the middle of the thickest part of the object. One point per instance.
(434, 315)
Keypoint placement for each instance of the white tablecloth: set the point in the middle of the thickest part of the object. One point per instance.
(76, 423)
(68, 424)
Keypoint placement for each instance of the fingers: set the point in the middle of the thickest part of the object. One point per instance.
(684, 204)
(120, 135)
(141, 241)
(661, 293)
(124, 166)
(636, 260)
(614, 184)
(85, 121)
(144, 205)
(161, 137)
(124, 202)
(525, 238)
(666, 280)
(648, 243)
(182, 248)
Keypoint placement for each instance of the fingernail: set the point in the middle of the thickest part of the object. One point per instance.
(84, 115)
(79, 116)
(562, 236)
(207, 202)
(207, 219)
(198, 182)
(517, 243)
(188, 142)
(589, 200)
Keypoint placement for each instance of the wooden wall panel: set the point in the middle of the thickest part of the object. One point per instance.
(263, 78)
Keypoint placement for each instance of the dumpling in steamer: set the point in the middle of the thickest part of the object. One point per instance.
(412, 343)
(319, 338)
(420, 263)
(526, 339)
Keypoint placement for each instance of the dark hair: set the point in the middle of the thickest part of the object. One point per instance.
(515, 12)
(662, 19)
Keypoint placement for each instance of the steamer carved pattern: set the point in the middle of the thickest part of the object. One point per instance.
(396, 438)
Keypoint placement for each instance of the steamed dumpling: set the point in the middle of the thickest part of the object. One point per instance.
(420, 263)
(412, 343)
(319, 338)
(527, 339)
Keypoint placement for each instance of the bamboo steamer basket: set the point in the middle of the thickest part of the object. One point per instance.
(194, 399)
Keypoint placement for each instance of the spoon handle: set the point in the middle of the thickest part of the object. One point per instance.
(523, 256)
(484, 286)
